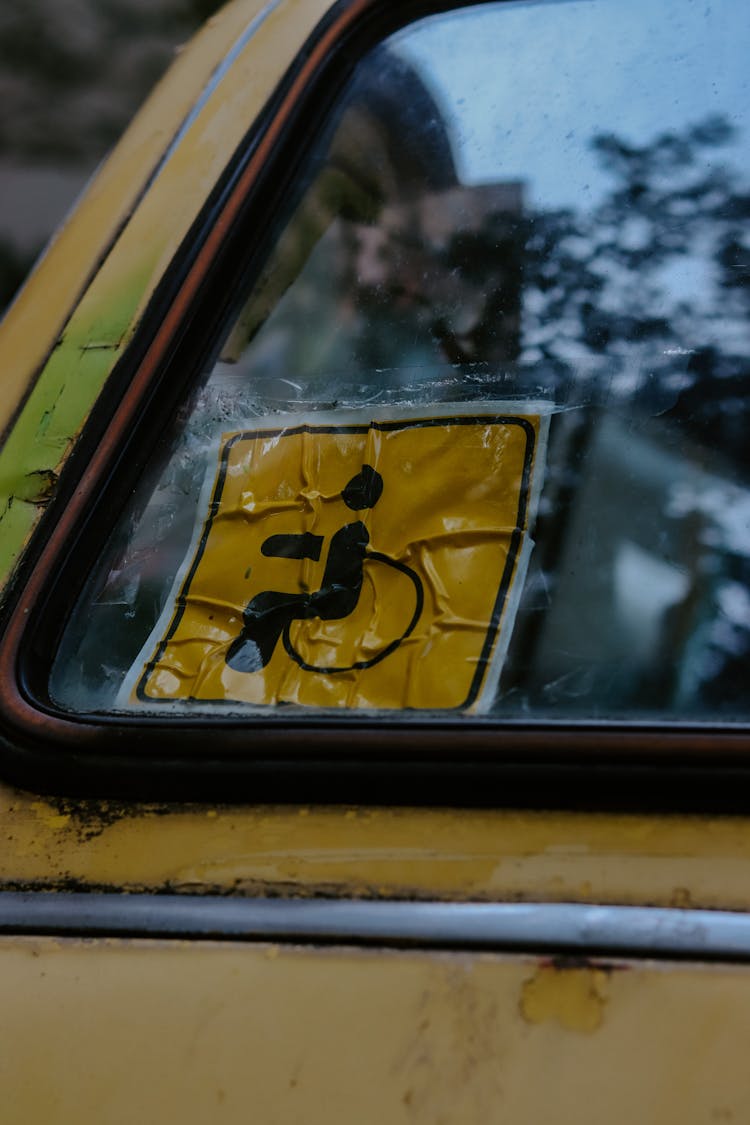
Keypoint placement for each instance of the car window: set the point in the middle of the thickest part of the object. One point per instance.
(475, 435)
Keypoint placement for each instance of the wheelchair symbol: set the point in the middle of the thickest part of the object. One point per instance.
(269, 616)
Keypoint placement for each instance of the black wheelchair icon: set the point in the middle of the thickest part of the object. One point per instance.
(269, 616)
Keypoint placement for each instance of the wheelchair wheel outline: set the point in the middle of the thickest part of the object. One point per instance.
(415, 580)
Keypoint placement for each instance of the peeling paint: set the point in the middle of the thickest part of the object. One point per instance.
(398, 853)
(37, 487)
(572, 996)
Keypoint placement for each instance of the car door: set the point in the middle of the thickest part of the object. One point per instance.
(375, 626)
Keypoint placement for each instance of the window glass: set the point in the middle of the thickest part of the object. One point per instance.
(475, 438)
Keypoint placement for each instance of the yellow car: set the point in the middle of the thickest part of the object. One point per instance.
(375, 569)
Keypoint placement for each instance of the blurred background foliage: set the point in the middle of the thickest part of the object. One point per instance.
(72, 74)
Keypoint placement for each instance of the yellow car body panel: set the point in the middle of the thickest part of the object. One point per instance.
(491, 855)
(118, 1032)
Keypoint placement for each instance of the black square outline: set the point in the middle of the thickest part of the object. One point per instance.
(404, 424)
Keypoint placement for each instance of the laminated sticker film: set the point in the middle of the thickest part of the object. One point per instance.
(354, 560)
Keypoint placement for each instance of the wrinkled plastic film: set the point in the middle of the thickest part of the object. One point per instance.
(357, 560)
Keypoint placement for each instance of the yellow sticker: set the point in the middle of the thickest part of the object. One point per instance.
(353, 561)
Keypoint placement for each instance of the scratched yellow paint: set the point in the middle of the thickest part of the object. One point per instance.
(353, 563)
(493, 855)
(115, 1032)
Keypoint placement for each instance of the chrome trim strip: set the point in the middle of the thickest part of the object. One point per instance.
(571, 928)
(215, 79)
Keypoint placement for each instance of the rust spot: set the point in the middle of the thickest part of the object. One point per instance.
(681, 898)
(571, 995)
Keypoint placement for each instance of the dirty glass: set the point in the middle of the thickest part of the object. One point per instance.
(518, 214)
